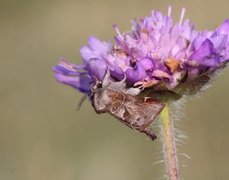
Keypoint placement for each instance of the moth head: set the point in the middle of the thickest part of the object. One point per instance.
(102, 99)
(96, 86)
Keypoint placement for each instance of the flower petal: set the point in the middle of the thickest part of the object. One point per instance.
(66, 73)
(205, 55)
(224, 28)
(97, 68)
(135, 74)
(97, 46)
(147, 63)
(82, 84)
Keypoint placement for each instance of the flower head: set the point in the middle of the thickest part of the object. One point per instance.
(157, 54)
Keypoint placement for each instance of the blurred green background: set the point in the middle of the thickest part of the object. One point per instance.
(43, 137)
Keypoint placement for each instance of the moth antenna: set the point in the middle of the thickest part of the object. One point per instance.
(124, 79)
(97, 81)
(80, 103)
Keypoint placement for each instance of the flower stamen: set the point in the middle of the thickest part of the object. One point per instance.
(182, 16)
(169, 11)
(118, 32)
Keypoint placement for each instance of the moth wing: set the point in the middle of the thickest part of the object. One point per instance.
(142, 113)
(151, 108)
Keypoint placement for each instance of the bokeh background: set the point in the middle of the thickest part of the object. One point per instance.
(43, 137)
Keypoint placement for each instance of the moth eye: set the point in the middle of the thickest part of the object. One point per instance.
(99, 85)
(138, 119)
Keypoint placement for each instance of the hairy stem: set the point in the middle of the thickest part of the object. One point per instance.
(169, 145)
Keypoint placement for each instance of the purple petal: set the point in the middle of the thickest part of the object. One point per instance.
(187, 29)
(97, 46)
(147, 63)
(135, 74)
(97, 68)
(206, 49)
(224, 28)
(87, 54)
(219, 41)
(117, 72)
(197, 42)
(82, 84)
(66, 73)
(205, 55)
(64, 67)
(117, 65)
(96, 49)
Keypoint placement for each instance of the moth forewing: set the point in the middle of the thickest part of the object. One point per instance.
(136, 112)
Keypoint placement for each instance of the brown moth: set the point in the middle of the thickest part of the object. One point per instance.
(134, 111)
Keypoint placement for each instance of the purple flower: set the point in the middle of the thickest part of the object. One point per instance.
(73, 75)
(157, 52)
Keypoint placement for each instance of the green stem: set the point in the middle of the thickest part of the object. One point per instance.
(169, 145)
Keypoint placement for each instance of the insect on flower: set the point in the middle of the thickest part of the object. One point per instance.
(136, 112)
(157, 61)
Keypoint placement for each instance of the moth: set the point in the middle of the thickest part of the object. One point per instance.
(134, 111)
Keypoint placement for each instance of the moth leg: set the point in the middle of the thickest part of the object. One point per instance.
(149, 133)
(82, 99)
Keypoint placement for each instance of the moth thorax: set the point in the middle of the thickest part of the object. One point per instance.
(102, 99)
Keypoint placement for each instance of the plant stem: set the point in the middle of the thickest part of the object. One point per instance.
(169, 145)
